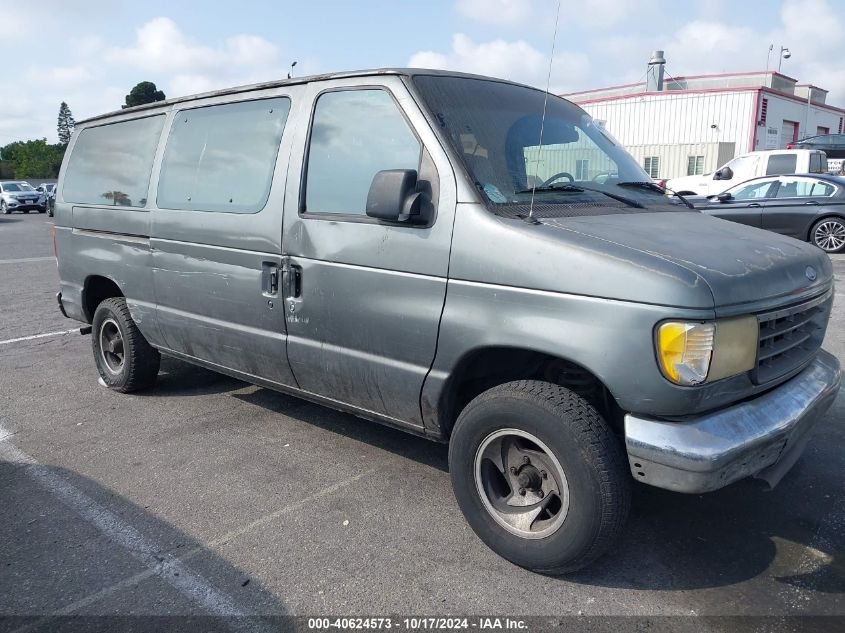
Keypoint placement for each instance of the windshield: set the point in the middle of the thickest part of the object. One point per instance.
(13, 186)
(494, 128)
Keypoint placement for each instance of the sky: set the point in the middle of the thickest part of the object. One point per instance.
(90, 53)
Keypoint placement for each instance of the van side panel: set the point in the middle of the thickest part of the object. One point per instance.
(103, 240)
(211, 271)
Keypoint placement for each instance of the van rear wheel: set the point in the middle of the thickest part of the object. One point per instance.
(125, 360)
(539, 476)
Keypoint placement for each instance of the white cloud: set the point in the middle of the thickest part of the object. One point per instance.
(65, 76)
(515, 60)
(163, 49)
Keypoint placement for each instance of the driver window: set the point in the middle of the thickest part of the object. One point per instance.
(753, 190)
(742, 163)
(354, 135)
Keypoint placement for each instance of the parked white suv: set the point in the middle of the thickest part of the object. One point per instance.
(751, 165)
(19, 195)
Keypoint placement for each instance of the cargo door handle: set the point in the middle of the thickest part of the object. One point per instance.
(293, 274)
(269, 278)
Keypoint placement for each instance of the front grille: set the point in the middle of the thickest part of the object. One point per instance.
(790, 337)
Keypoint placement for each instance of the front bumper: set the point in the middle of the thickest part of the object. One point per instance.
(763, 436)
(27, 206)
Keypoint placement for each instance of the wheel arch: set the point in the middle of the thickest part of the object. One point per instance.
(95, 290)
(483, 368)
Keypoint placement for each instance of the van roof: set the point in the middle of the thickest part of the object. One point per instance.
(408, 72)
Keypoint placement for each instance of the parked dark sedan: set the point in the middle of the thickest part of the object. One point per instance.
(810, 207)
(831, 144)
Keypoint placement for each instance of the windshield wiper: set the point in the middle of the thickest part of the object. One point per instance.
(655, 187)
(564, 186)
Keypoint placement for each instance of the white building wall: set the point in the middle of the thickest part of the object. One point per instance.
(670, 119)
(675, 126)
(674, 159)
(780, 110)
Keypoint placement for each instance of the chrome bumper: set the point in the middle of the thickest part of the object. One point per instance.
(762, 437)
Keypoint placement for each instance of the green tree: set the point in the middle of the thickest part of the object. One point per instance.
(33, 159)
(144, 92)
(65, 124)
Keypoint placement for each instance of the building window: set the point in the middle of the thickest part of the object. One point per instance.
(695, 165)
(821, 131)
(582, 169)
(652, 165)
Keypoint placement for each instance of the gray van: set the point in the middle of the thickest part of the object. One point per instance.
(464, 258)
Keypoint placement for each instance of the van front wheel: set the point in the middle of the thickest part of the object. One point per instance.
(539, 476)
(125, 360)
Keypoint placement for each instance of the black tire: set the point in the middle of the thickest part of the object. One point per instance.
(3, 208)
(138, 360)
(829, 234)
(592, 459)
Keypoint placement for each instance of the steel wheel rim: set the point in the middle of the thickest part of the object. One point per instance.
(509, 487)
(830, 235)
(111, 346)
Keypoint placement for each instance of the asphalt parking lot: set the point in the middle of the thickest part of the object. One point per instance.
(206, 495)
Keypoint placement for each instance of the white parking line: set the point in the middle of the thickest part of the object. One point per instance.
(26, 260)
(34, 336)
(214, 543)
(148, 552)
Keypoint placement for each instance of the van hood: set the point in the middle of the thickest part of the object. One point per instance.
(740, 264)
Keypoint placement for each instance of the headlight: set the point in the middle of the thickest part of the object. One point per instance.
(690, 353)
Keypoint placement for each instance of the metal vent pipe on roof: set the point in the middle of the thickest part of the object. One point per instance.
(654, 75)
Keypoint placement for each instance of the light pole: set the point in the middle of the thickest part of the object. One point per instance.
(784, 54)
(290, 72)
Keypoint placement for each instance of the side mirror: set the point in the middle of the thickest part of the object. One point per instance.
(725, 173)
(393, 197)
(724, 197)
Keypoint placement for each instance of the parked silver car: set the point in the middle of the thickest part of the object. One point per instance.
(17, 195)
(465, 258)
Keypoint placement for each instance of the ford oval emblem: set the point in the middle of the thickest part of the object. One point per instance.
(811, 273)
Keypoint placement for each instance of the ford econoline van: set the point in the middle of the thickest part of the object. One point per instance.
(465, 258)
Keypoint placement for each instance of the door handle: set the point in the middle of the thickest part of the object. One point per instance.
(814, 202)
(293, 281)
(269, 279)
(754, 204)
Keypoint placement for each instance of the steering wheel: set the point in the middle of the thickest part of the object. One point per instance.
(562, 174)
